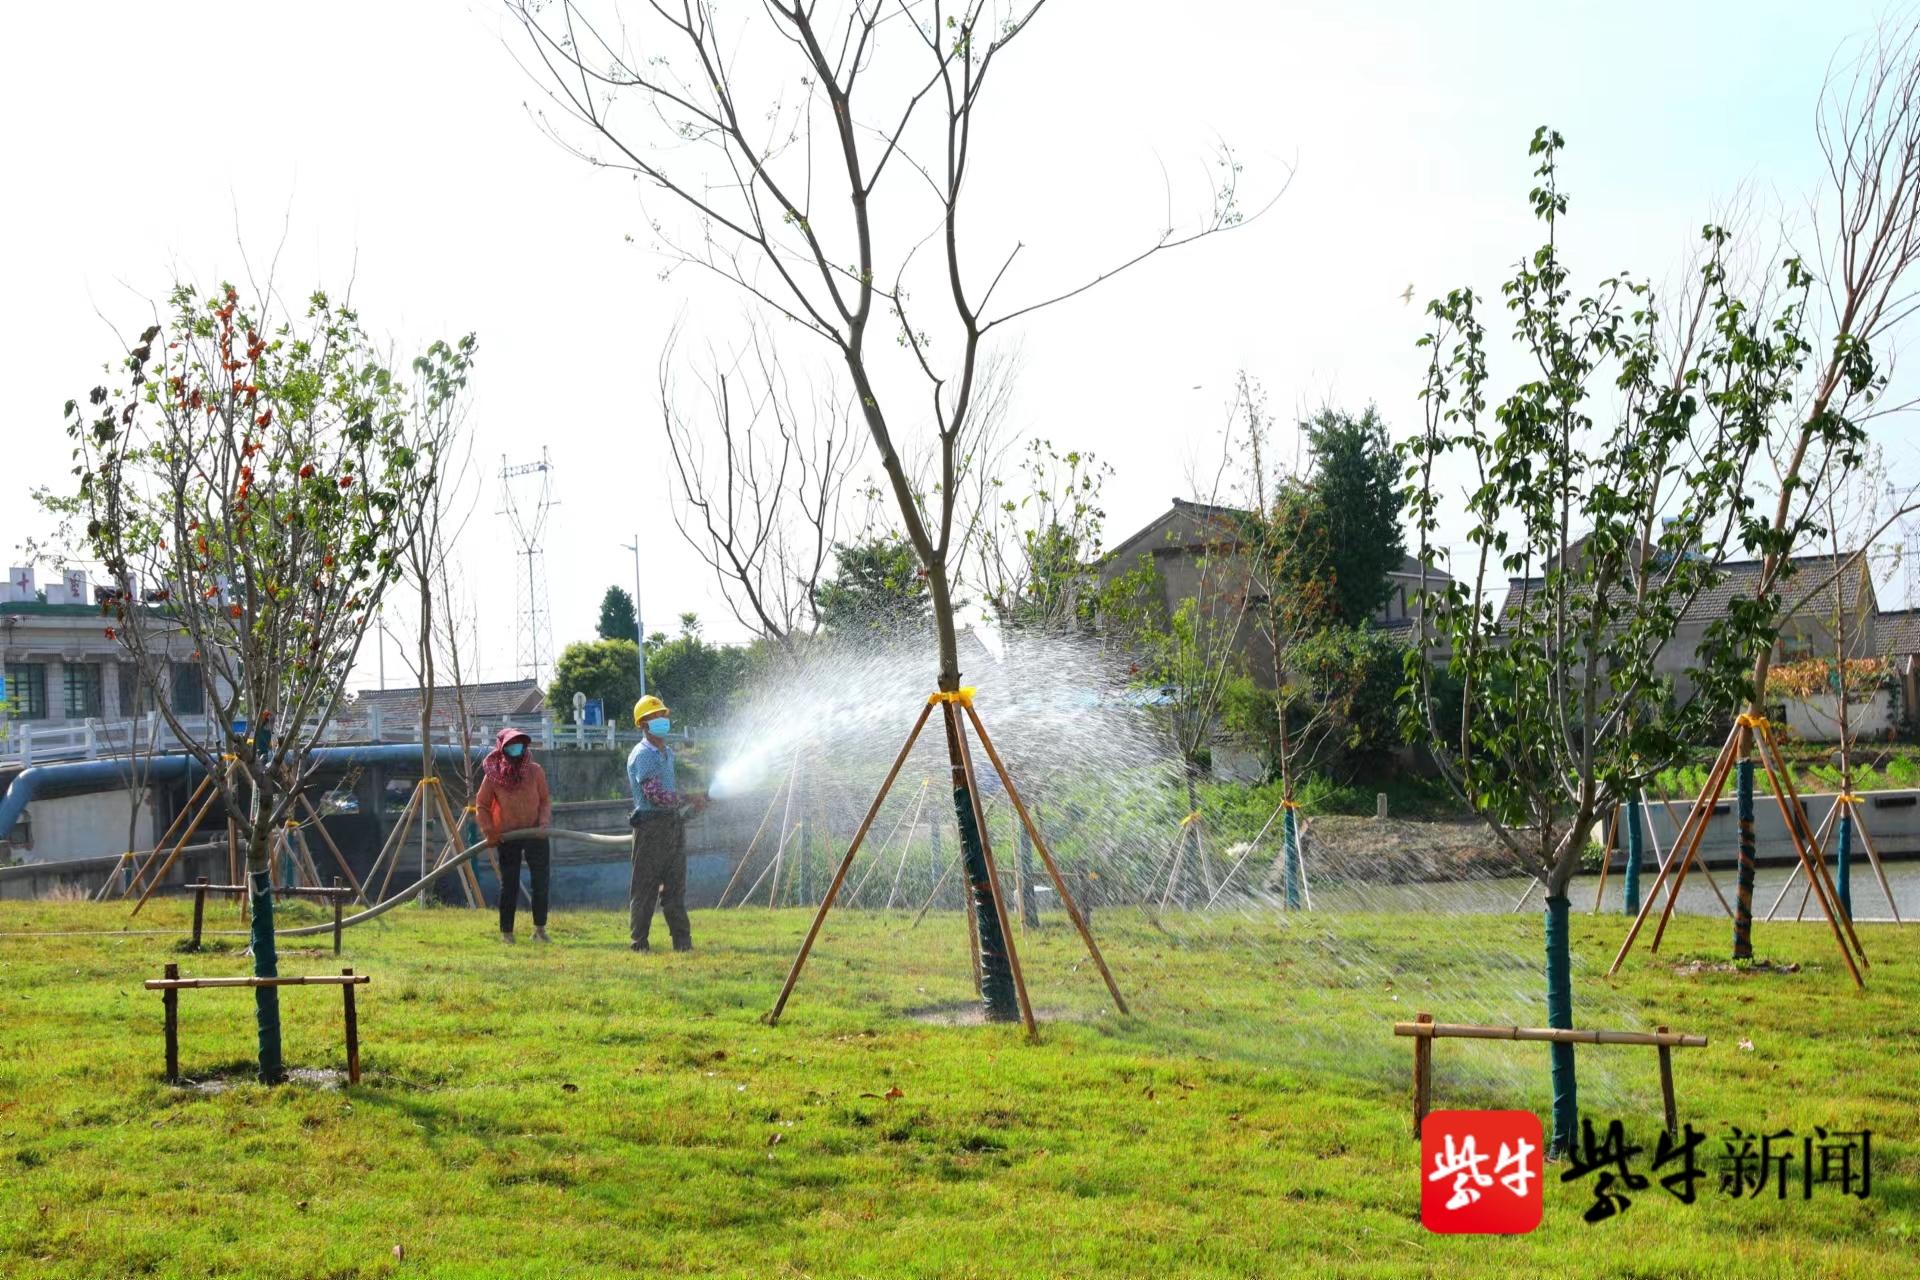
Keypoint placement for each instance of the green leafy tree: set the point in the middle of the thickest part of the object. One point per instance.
(249, 485)
(618, 621)
(1034, 551)
(877, 590)
(1355, 498)
(1606, 487)
(607, 670)
(695, 678)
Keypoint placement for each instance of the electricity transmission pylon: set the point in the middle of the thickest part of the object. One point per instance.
(527, 513)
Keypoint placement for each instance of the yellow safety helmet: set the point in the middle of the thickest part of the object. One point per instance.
(646, 708)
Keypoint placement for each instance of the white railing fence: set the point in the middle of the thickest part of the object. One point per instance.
(29, 742)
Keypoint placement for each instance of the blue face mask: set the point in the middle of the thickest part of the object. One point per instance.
(515, 750)
(659, 726)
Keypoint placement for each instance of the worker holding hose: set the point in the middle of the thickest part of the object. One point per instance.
(659, 831)
(514, 797)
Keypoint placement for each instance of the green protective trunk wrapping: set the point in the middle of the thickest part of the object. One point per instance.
(1566, 1097)
(996, 972)
(1845, 885)
(266, 964)
(1631, 905)
(1290, 859)
(1743, 885)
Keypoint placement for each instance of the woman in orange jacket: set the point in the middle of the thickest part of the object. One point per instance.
(514, 797)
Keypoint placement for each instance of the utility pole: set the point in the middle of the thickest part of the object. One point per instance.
(639, 625)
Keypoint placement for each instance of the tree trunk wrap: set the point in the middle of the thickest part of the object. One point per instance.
(1290, 858)
(1631, 904)
(996, 973)
(1845, 859)
(1743, 901)
(266, 964)
(1566, 1099)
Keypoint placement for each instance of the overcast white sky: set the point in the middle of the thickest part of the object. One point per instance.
(390, 144)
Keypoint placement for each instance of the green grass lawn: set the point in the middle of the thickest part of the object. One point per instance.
(580, 1110)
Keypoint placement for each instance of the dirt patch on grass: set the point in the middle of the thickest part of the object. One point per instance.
(308, 1077)
(1753, 968)
(972, 1013)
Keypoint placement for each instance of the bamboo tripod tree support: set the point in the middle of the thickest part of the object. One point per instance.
(1750, 732)
(994, 935)
(1846, 808)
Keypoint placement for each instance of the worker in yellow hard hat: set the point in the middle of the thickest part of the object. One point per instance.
(659, 830)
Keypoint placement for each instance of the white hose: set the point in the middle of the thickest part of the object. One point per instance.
(473, 851)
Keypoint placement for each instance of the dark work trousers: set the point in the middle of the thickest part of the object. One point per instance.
(659, 874)
(535, 852)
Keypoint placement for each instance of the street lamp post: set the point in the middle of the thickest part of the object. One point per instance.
(639, 626)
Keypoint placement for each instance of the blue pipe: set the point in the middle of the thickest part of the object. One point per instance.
(80, 776)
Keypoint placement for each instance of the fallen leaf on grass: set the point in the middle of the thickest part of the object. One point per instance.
(399, 1253)
(775, 1139)
(1747, 1045)
(893, 1093)
(570, 1087)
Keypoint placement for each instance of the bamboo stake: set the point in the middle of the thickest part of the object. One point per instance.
(141, 873)
(938, 885)
(1794, 875)
(773, 865)
(906, 848)
(1531, 886)
(1737, 746)
(753, 844)
(1705, 870)
(1873, 855)
(1235, 870)
(167, 866)
(993, 873)
(1606, 859)
(826, 903)
(1694, 816)
(396, 841)
(1796, 819)
(1046, 857)
(873, 864)
(360, 894)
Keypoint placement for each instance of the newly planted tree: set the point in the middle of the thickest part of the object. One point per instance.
(1603, 493)
(816, 152)
(250, 486)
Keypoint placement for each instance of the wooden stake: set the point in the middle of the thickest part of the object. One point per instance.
(1666, 1084)
(753, 844)
(338, 903)
(353, 1024)
(170, 1003)
(360, 894)
(1606, 859)
(1738, 746)
(199, 912)
(1046, 857)
(1873, 855)
(907, 847)
(140, 873)
(1696, 816)
(186, 835)
(1796, 819)
(1647, 806)
(1794, 874)
(826, 903)
(938, 885)
(1422, 1075)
